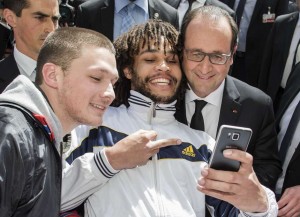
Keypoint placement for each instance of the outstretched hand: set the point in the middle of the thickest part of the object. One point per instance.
(136, 149)
(241, 189)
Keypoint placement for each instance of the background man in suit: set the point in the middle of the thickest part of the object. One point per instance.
(106, 16)
(288, 126)
(253, 33)
(208, 42)
(279, 56)
(31, 22)
(184, 6)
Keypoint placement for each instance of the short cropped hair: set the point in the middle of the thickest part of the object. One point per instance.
(128, 46)
(64, 45)
(211, 12)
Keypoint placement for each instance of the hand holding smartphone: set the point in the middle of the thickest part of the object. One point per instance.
(229, 137)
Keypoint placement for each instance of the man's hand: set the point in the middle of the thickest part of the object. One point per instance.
(289, 204)
(242, 189)
(136, 149)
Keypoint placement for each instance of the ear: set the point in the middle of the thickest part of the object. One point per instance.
(50, 73)
(10, 17)
(233, 53)
(127, 73)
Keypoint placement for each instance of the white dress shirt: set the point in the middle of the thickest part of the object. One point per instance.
(25, 64)
(211, 111)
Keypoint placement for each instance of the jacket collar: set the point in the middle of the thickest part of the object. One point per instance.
(145, 106)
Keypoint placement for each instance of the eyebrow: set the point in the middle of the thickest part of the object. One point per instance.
(102, 70)
(156, 50)
(39, 13)
(213, 52)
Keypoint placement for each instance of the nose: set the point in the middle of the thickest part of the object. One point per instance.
(109, 94)
(205, 65)
(50, 25)
(163, 66)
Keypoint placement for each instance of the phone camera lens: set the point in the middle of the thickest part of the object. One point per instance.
(235, 136)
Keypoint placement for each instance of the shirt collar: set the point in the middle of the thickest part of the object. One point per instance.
(119, 5)
(26, 63)
(214, 98)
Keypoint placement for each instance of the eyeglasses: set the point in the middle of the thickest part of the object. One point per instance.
(198, 56)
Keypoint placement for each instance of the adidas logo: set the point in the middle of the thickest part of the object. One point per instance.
(189, 151)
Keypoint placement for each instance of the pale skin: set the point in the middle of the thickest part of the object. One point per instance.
(242, 189)
(33, 26)
(82, 98)
(289, 203)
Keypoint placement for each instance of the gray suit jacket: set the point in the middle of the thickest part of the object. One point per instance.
(98, 15)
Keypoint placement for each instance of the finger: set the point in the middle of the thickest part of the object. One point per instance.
(216, 194)
(163, 143)
(220, 175)
(283, 201)
(150, 134)
(214, 185)
(238, 155)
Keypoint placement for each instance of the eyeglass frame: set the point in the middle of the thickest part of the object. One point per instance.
(227, 56)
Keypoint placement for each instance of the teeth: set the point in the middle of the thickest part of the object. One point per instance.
(97, 106)
(161, 81)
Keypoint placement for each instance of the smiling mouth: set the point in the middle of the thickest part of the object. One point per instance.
(98, 106)
(161, 81)
(204, 77)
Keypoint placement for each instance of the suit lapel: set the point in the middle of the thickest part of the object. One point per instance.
(296, 154)
(256, 10)
(289, 94)
(289, 32)
(231, 4)
(154, 10)
(230, 109)
(106, 16)
(11, 65)
(173, 3)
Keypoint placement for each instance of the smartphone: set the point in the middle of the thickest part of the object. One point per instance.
(229, 137)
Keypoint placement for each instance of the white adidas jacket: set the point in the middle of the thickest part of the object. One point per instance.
(165, 186)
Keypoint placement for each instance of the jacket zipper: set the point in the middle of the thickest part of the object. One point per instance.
(160, 208)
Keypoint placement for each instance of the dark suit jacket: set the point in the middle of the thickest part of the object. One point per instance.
(8, 71)
(276, 53)
(98, 15)
(176, 3)
(246, 106)
(292, 176)
(4, 39)
(257, 35)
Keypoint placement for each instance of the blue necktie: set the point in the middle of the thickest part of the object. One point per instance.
(128, 20)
